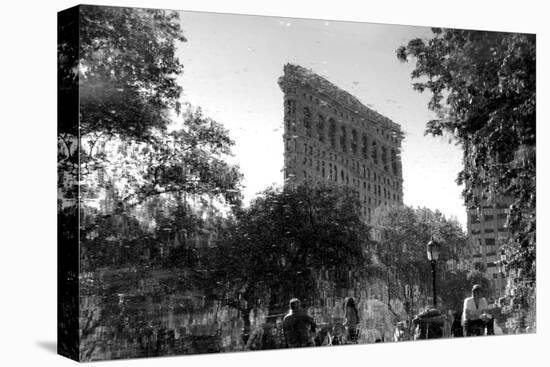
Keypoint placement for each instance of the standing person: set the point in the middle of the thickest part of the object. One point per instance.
(456, 326)
(297, 325)
(474, 315)
(351, 319)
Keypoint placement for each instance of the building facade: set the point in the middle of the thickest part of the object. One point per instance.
(487, 232)
(330, 136)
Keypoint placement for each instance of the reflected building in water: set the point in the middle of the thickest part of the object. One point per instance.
(329, 135)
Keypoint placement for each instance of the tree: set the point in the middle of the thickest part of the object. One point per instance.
(125, 67)
(277, 248)
(117, 74)
(189, 160)
(405, 232)
(483, 87)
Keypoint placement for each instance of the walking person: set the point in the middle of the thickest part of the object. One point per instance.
(297, 326)
(351, 319)
(475, 317)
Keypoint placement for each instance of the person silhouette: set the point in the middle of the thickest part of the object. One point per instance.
(297, 325)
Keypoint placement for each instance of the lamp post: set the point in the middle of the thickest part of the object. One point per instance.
(501, 264)
(432, 250)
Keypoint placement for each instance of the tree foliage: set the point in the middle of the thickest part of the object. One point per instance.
(277, 247)
(126, 69)
(191, 159)
(483, 87)
(455, 286)
(405, 232)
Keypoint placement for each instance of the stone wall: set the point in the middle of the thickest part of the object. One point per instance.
(133, 317)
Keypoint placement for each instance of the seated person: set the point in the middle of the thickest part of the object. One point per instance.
(401, 332)
(475, 316)
(297, 326)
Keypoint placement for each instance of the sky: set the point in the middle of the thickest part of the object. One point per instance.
(232, 64)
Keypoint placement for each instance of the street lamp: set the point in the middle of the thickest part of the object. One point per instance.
(432, 251)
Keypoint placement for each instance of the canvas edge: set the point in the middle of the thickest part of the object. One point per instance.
(68, 243)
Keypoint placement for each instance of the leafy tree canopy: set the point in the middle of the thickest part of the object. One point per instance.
(286, 236)
(191, 160)
(483, 87)
(405, 234)
(126, 70)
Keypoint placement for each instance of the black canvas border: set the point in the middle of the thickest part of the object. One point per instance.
(68, 241)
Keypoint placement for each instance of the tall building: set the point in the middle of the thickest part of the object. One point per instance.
(487, 232)
(330, 136)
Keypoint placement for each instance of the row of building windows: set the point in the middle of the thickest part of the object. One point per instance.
(359, 169)
(487, 217)
(321, 168)
(291, 110)
(348, 141)
(332, 172)
(490, 230)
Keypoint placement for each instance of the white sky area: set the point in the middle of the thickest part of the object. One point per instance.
(232, 64)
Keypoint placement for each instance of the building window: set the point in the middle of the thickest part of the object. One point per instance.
(343, 139)
(332, 132)
(364, 147)
(307, 121)
(321, 128)
(374, 153)
(290, 107)
(354, 141)
(394, 166)
(385, 158)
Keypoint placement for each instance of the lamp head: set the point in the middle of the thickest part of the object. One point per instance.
(432, 250)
